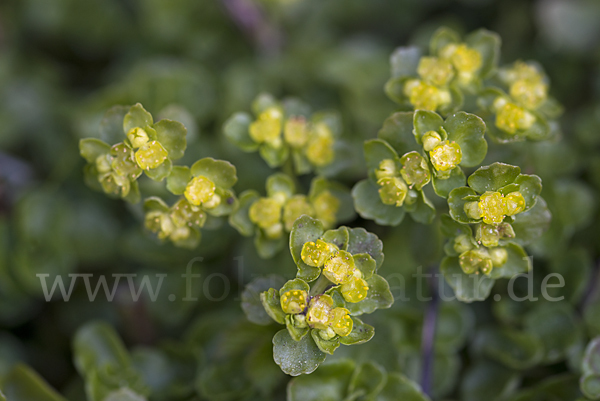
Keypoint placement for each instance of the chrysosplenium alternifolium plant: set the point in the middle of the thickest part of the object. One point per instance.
(425, 162)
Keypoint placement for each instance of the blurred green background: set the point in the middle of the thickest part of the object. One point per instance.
(63, 63)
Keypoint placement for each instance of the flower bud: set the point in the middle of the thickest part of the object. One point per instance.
(462, 243)
(424, 96)
(339, 269)
(123, 161)
(295, 207)
(319, 150)
(475, 260)
(151, 155)
(511, 118)
(294, 301)
(472, 210)
(467, 61)
(387, 168)
(295, 132)
(138, 137)
(115, 184)
(342, 322)
(487, 235)
(446, 156)
(531, 93)
(327, 334)
(499, 256)
(515, 203)
(430, 140)
(435, 71)
(267, 127)
(392, 190)
(415, 170)
(184, 213)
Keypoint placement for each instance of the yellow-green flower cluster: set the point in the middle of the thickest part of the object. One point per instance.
(400, 185)
(179, 223)
(328, 320)
(493, 207)
(338, 267)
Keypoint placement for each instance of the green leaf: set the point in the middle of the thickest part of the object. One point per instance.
(133, 196)
(280, 183)
(228, 203)
(178, 179)
(295, 284)
(443, 187)
(237, 131)
(397, 131)
(366, 264)
(136, 117)
(530, 225)
(111, 126)
(91, 148)
(327, 346)
(296, 357)
(422, 211)
(274, 157)
(487, 380)
(591, 360)
(262, 102)
(305, 229)
(404, 61)
(379, 296)
(339, 237)
(590, 386)
(452, 228)
(97, 345)
(468, 131)
(24, 384)
(221, 172)
(512, 348)
(488, 45)
(555, 325)
(467, 287)
(240, 219)
(161, 172)
(270, 301)
(360, 334)
(425, 121)
(369, 206)
(540, 130)
(442, 37)
(296, 332)
(191, 241)
(493, 177)
(517, 262)
(328, 383)
(154, 203)
(172, 135)
(267, 247)
(399, 387)
(362, 241)
(377, 150)
(530, 187)
(367, 381)
(252, 304)
(124, 394)
(456, 204)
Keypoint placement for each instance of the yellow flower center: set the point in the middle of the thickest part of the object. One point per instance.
(515, 203)
(319, 150)
(267, 127)
(446, 156)
(340, 268)
(342, 322)
(184, 213)
(355, 290)
(435, 71)
(430, 140)
(293, 301)
(326, 206)
(492, 207)
(317, 253)
(295, 132)
(476, 260)
(511, 118)
(199, 190)
(415, 170)
(387, 168)
(424, 96)
(319, 315)
(137, 137)
(151, 155)
(295, 207)
(528, 92)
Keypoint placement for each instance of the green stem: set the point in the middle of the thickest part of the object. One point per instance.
(320, 286)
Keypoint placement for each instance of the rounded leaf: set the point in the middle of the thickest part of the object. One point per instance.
(377, 150)
(237, 131)
(369, 206)
(361, 333)
(397, 131)
(338, 237)
(91, 148)
(362, 241)
(493, 177)
(296, 357)
(221, 172)
(240, 219)
(178, 179)
(467, 287)
(425, 121)
(456, 204)
(172, 135)
(251, 298)
(305, 229)
(280, 183)
(136, 117)
(378, 296)
(404, 61)
(443, 187)
(468, 131)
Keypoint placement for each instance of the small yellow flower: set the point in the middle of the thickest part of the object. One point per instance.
(488, 234)
(342, 322)
(267, 127)
(387, 168)
(103, 163)
(467, 61)
(476, 260)
(493, 207)
(340, 268)
(294, 301)
(138, 137)
(430, 140)
(319, 315)
(529, 93)
(446, 156)
(424, 96)
(199, 190)
(123, 162)
(265, 212)
(355, 290)
(415, 170)
(392, 191)
(184, 213)
(511, 118)
(462, 243)
(435, 71)
(326, 206)
(499, 256)
(515, 203)
(151, 155)
(295, 207)
(319, 150)
(115, 184)
(295, 132)
(317, 253)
